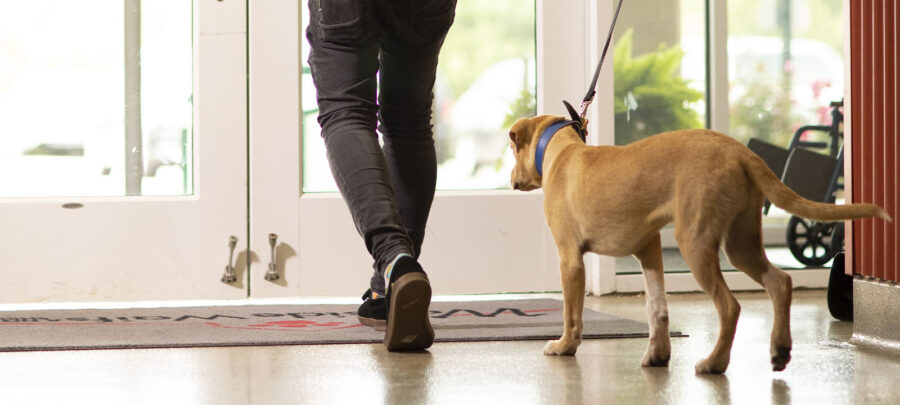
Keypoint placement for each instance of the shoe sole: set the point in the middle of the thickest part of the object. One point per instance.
(377, 324)
(408, 323)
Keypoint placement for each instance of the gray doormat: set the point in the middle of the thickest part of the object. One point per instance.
(257, 325)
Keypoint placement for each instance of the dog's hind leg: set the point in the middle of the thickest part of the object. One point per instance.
(744, 247)
(701, 251)
(659, 348)
(571, 266)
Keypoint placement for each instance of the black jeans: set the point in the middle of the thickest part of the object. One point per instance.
(384, 50)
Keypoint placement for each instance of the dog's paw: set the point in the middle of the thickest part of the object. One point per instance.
(658, 353)
(558, 348)
(781, 358)
(655, 360)
(708, 366)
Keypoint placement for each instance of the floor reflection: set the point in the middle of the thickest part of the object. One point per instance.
(781, 392)
(407, 376)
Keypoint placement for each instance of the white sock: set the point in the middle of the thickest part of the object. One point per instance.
(389, 268)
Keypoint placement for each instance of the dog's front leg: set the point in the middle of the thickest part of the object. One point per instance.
(571, 266)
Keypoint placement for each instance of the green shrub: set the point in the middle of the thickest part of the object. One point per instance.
(650, 96)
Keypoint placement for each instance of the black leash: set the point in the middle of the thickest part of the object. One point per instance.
(589, 97)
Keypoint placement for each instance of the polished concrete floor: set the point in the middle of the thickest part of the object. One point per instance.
(825, 368)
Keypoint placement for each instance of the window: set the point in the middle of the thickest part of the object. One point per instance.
(785, 66)
(63, 98)
(660, 69)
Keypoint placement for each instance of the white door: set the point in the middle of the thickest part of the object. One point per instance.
(477, 241)
(123, 149)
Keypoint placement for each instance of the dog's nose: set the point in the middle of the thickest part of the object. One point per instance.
(515, 185)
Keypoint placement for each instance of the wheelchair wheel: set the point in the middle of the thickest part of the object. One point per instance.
(810, 241)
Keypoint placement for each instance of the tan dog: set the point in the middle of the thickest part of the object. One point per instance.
(613, 200)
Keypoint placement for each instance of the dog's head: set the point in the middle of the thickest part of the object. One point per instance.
(523, 138)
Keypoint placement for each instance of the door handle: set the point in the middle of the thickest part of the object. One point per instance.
(229, 276)
(272, 274)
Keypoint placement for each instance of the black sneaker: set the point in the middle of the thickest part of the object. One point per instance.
(408, 299)
(372, 311)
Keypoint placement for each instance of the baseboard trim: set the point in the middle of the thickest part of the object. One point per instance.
(737, 281)
(774, 234)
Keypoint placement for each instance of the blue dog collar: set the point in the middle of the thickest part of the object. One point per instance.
(545, 140)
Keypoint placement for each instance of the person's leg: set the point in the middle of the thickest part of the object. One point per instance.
(409, 60)
(408, 67)
(344, 64)
(407, 80)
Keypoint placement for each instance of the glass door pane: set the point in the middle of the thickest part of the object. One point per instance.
(89, 89)
(486, 79)
(785, 67)
(785, 64)
(660, 68)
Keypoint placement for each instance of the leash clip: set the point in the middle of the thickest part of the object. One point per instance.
(584, 108)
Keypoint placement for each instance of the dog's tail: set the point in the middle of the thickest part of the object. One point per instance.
(786, 199)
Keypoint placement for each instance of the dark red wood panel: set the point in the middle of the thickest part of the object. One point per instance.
(874, 150)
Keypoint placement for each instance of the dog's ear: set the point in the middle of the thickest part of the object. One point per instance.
(521, 132)
(514, 139)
